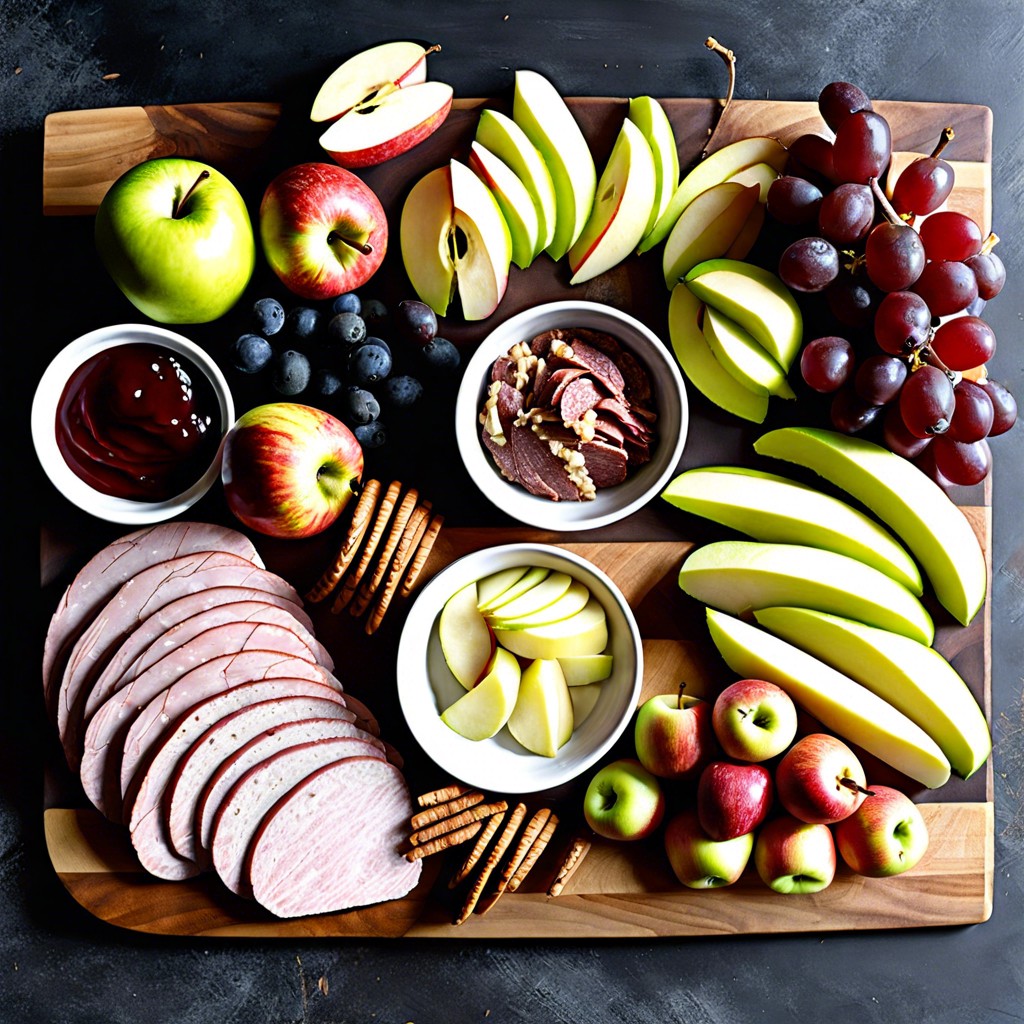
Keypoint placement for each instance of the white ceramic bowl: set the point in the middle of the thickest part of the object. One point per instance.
(44, 410)
(426, 686)
(610, 503)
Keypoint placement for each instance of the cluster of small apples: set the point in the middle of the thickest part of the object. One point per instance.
(751, 789)
(528, 645)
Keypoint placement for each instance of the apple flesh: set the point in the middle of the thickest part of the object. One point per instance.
(483, 710)
(288, 470)
(885, 836)
(754, 720)
(542, 719)
(467, 642)
(503, 594)
(624, 801)
(673, 735)
(586, 632)
(700, 862)
(584, 669)
(323, 230)
(513, 198)
(792, 856)
(820, 780)
(584, 700)
(568, 604)
(743, 357)
(493, 586)
(536, 598)
(650, 117)
(733, 799)
(176, 238)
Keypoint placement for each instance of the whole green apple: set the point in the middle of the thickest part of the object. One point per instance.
(175, 236)
(699, 861)
(624, 801)
(885, 836)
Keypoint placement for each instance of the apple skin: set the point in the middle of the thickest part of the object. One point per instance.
(624, 801)
(793, 856)
(673, 735)
(807, 779)
(754, 720)
(733, 799)
(288, 469)
(700, 862)
(885, 836)
(323, 230)
(185, 269)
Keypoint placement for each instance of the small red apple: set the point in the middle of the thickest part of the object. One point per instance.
(673, 735)
(886, 835)
(754, 720)
(794, 856)
(820, 779)
(733, 799)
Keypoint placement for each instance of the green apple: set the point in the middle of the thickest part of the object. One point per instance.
(793, 856)
(484, 710)
(548, 123)
(527, 580)
(749, 234)
(760, 174)
(548, 590)
(768, 507)
(886, 836)
(706, 228)
(542, 719)
(912, 677)
(494, 585)
(176, 237)
(586, 632)
(584, 700)
(622, 206)
(754, 720)
(514, 199)
(624, 801)
(913, 506)
(743, 357)
(754, 298)
(739, 575)
(569, 603)
(583, 669)
(841, 705)
(650, 117)
(466, 640)
(700, 862)
(702, 369)
(506, 140)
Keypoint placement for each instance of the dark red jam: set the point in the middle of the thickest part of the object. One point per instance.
(138, 421)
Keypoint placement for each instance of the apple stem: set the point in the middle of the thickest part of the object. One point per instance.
(730, 62)
(855, 786)
(945, 139)
(887, 208)
(679, 699)
(364, 247)
(990, 243)
(180, 204)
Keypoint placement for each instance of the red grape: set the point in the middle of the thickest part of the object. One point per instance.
(850, 413)
(846, 214)
(862, 147)
(898, 439)
(927, 402)
(838, 100)
(894, 256)
(964, 342)
(961, 462)
(826, 363)
(1004, 406)
(948, 235)
(851, 301)
(793, 200)
(811, 153)
(902, 323)
(879, 379)
(991, 274)
(973, 414)
(923, 186)
(947, 286)
(809, 264)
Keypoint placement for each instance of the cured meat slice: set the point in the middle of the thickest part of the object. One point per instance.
(117, 563)
(605, 463)
(539, 469)
(548, 394)
(310, 717)
(509, 404)
(633, 425)
(147, 824)
(593, 360)
(258, 749)
(333, 842)
(256, 792)
(577, 398)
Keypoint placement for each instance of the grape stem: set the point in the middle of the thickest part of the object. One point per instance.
(990, 243)
(730, 62)
(926, 356)
(947, 136)
(887, 208)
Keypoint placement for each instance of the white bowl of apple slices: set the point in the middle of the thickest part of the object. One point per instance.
(571, 415)
(519, 666)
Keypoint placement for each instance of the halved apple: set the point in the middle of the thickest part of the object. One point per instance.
(507, 141)
(493, 586)
(466, 640)
(530, 578)
(650, 117)
(584, 699)
(455, 239)
(541, 112)
(573, 600)
(542, 720)
(586, 632)
(514, 200)
(622, 207)
(707, 228)
(481, 712)
(743, 357)
(584, 669)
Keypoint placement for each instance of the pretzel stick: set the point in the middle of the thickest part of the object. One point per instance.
(578, 849)
(531, 858)
(383, 515)
(422, 554)
(491, 863)
(493, 823)
(445, 842)
(440, 796)
(407, 545)
(450, 807)
(398, 524)
(533, 828)
(439, 828)
(353, 538)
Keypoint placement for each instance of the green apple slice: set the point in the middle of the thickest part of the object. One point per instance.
(542, 720)
(573, 600)
(507, 141)
(530, 578)
(912, 505)
(514, 200)
(743, 357)
(493, 586)
(650, 117)
(840, 704)
(706, 228)
(760, 174)
(584, 669)
(915, 679)
(586, 632)
(466, 640)
(754, 298)
(427, 220)
(482, 712)
(717, 167)
(768, 507)
(622, 206)
(698, 362)
(740, 575)
(584, 699)
(548, 590)
(749, 234)
(548, 123)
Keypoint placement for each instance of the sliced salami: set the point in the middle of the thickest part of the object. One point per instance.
(577, 398)
(605, 463)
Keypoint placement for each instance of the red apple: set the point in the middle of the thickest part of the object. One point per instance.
(754, 720)
(324, 231)
(793, 856)
(733, 799)
(673, 735)
(288, 469)
(624, 801)
(700, 862)
(885, 836)
(820, 779)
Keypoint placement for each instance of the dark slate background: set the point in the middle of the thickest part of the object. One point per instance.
(58, 964)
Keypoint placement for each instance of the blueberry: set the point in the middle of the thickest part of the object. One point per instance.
(346, 329)
(379, 342)
(326, 383)
(371, 435)
(250, 353)
(368, 363)
(416, 321)
(267, 316)
(375, 313)
(303, 323)
(291, 372)
(358, 406)
(347, 303)
(402, 391)
(441, 354)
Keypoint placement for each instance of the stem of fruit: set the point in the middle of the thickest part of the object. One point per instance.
(887, 208)
(730, 62)
(945, 139)
(855, 786)
(926, 356)
(990, 243)
(364, 247)
(180, 204)
(679, 699)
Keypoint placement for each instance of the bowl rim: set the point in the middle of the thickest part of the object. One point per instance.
(44, 409)
(540, 512)
(413, 670)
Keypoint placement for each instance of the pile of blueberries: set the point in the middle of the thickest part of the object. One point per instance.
(333, 357)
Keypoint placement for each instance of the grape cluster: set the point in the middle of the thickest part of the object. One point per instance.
(904, 283)
(333, 356)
